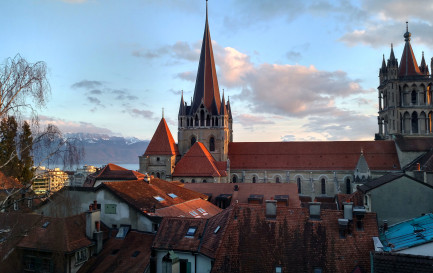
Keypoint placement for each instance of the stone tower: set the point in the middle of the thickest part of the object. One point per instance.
(405, 95)
(208, 119)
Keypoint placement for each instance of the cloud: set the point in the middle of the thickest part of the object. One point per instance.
(124, 95)
(67, 126)
(187, 76)
(293, 55)
(95, 92)
(94, 100)
(179, 51)
(86, 84)
(142, 113)
(288, 138)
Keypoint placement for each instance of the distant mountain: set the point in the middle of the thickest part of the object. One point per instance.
(102, 149)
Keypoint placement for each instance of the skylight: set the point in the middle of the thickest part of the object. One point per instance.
(191, 231)
(217, 229)
(193, 213)
(159, 198)
(172, 195)
(123, 230)
(45, 225)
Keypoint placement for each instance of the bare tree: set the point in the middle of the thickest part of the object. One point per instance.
(23, 89)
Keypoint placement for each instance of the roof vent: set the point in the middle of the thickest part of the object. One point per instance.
(314, 210)
(348, 210)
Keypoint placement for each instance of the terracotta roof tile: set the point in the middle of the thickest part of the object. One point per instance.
(141, 195)
(292, 241)
(268, 190)
(196, 208)
(59, 235)
(162, 142)
(320, 155)
(112, 172)
(408, 64)
(122, 260)
(198, 162)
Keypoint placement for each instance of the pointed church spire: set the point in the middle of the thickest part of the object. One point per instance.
(408, 64)
(182, 106)
(223, 109)
(206, 85)
(392, 61)
(383, 62)
(423, 67)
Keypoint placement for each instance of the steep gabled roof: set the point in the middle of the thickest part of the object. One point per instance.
(381, 181)
(162, 142)
(314, 155)
(143, 196)
(112, 172)
(206, 85)
(57, 234)
(408, 64)
(198, 162)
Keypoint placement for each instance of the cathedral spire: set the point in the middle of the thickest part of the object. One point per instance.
(423, 67)
(408, 64)
(223, 109)
(182, 106)
(206, 85)
(383, 63)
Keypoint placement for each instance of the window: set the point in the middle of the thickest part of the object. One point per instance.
(135, 254)
(254, 179)
(212, 144)
(277, 179)
(182, 181)
(216, 229)
(123, 230)
(191, 231)
(158, 175)
(193, 140)
(172, 195)
(157, 159)
(298, 181)
(278, 269)
(110, 208)
(193, 181)
(159, 198)
(15, 206)
(413, 97)
(348, 188)
(323, 186)
(155, 227)
(204, 181)
(184, 266)
(234, 179)
(45, 225)
(193, 213)
(81, 256)
(318, 270)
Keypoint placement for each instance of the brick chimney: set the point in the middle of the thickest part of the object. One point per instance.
(93, 225)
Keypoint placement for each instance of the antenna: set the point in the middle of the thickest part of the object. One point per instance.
(162, 112)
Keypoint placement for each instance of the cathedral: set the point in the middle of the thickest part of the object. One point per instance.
(206, 152)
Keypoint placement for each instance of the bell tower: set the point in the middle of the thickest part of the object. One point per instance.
(208, 119)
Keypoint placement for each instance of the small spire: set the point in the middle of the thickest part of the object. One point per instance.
(407, 24)
(383, 62)
(162, 112)
(407, 34)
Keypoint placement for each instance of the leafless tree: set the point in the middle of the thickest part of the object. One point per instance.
(24, 88)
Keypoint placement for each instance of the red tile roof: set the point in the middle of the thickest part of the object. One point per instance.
(112, 172)
(320, 155)
(60, 235)
(268, 190)
(251, 243)
(7, 183)
(141, 195)
(408, 64)
(199, 162)
(123, 260)
(197, 208)
(162, 142)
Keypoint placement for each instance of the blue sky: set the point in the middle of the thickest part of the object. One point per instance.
(294, 70)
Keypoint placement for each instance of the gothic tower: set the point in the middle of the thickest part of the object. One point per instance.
(208, 119)
(405, 95)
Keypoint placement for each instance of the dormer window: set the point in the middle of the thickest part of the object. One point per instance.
(191, 231)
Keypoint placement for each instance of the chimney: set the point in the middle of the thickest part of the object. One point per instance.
(146, 178)
(418, 167)
(271, 209)
(342, 227)
(348, 210)
(93, 225)
(314, 210)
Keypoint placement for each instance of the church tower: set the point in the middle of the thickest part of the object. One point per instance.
(405, 95)
(208, 119)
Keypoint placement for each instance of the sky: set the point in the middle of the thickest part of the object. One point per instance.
(293, 70)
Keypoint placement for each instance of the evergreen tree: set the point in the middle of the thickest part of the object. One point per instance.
(25, 150)
(9, 162)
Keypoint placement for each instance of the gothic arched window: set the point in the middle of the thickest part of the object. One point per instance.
(234, 179)
(298, 181)
(212, 144)
(201, 118)
(254, 179)
(323, 182)
(208, 120)
(348, 188)
(413, 97)
(415, 123)
(193, 140)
